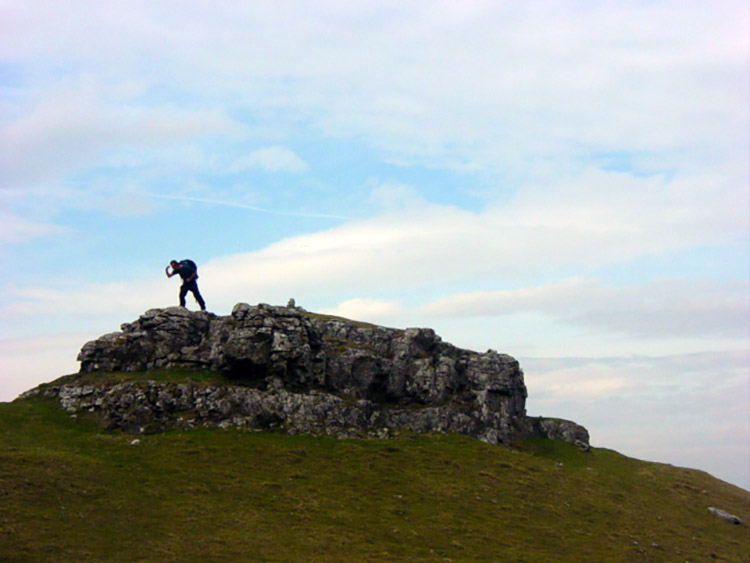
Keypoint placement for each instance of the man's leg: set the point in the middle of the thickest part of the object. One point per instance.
(197, 295)
(183, 292)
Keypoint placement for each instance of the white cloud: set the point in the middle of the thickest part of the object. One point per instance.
(391, 196)
(363, 309)
(658, 309)
(589, 223)
(127, 202)
(488, 86)
(75, 125)
(109, 301)
(270, 159)
(650, 213)
(28, 362)
(14, 228)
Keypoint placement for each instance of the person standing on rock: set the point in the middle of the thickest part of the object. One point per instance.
(189, 273)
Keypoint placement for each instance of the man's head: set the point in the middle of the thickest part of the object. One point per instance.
(175, 265)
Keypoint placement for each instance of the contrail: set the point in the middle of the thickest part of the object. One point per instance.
(245, 206)
(231, 204)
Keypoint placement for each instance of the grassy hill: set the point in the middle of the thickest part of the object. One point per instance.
(70, 491)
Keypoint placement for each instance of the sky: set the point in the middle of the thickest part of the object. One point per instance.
(566, 182)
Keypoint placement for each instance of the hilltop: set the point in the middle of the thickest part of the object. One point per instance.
(276, 434)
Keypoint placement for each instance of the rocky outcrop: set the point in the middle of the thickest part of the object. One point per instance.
(558, 429)
(296, 371)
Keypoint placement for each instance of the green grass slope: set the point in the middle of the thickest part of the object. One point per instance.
(70, 491)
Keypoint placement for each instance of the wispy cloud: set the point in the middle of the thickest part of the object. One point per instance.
(75, 126)
(597, 224)
(662, 308)
(240, 205)
(27, 362)
(271, 159)
(543, 82)
(366, 309)
(15, 228)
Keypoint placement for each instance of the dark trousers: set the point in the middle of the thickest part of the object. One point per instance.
(193, 288)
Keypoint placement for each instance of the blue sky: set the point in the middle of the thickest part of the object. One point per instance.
(565, 182)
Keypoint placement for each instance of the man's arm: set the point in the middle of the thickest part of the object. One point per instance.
(169, 274)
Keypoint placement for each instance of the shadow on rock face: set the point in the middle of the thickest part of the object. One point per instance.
(246, 372)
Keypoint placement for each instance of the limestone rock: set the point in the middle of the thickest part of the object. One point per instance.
(557, 429)
(296, 371)
(719, 513)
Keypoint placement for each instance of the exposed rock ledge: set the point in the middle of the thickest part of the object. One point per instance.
(301, 372)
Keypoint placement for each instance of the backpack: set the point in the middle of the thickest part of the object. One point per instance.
(193, 269)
